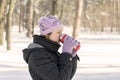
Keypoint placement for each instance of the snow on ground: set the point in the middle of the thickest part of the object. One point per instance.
(99, 57)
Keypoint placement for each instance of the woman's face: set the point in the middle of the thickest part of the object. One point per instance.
(55, 35)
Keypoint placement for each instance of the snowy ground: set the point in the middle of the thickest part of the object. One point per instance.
(99, 58)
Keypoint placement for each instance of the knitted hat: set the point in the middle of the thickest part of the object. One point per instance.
(48, 24)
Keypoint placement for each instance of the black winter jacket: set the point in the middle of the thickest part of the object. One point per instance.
(46, 63)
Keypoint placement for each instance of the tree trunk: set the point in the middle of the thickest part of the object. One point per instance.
(117, 14)
(54, 3)
(112, 15)
(78, 18)
(1, 34)
(9, 22)
(61, 10)
(3, 5)
(29, 18)
(118, 27)
(20, 17)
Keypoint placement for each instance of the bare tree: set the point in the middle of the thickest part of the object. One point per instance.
(78, 18)
(29, 14)
(20, 16)
(118, 27)
(9, 22)
(3, 5)
(54, 3)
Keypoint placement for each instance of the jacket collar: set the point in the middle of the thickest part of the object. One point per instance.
(48, 44)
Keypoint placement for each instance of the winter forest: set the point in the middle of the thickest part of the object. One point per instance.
(83, 15)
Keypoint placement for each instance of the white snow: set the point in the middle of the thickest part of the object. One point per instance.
(99, 57)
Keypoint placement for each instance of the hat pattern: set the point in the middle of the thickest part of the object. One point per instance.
(48, 24)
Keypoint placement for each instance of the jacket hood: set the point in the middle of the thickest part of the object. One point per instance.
(27, 51)
(40, 42)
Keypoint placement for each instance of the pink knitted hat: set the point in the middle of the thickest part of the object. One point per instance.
(48, 24)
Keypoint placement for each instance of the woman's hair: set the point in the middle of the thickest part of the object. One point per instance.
(46, 36)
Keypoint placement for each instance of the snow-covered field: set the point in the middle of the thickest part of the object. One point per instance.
(99, 57)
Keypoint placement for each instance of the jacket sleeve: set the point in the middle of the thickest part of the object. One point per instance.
(48, 69)
(74, 63)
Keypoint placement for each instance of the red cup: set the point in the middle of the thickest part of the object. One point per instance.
(62, 37)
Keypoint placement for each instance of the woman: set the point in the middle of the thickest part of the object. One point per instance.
(44, 60)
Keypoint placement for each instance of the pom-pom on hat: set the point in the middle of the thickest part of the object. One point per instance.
(48, 24)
